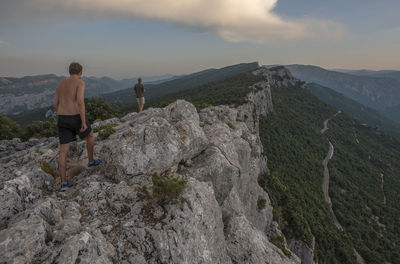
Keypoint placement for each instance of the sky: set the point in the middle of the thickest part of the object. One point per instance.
(126, 38)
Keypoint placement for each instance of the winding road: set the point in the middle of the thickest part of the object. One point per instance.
(325, 185)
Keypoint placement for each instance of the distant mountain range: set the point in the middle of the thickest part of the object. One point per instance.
(381, 93)
(31, 92)
(378, 74)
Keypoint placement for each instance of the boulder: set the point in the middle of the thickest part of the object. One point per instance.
(155, 140)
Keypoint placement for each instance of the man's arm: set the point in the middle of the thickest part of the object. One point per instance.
(81, 103)
(55, 100)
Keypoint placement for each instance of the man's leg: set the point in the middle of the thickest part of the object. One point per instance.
(62, 161)
(90, 146)
(141, 107)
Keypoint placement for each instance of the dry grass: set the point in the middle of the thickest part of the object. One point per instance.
(46, 167)
(62, 209)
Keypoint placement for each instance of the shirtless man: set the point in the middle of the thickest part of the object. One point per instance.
(70, 106)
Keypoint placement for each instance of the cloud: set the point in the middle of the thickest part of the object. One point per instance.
(3, 43)
(231, 20)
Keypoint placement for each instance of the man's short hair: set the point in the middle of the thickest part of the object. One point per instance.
(139, 79)
(75, 68)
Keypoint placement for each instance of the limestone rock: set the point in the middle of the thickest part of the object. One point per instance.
(86, 247)
(156, 140)
(21, 243)
(304, 252)
(247, 244)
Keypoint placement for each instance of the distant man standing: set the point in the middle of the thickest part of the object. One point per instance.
(139, 91)
(70, 106)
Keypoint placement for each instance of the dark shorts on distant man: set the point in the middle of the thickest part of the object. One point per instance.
(69, 126)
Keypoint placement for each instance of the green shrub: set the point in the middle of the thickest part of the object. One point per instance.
(40, 129)
(231, 125)
(261, 202)
(201, 106)
(98, 108)
(280, 243)
(99, 128)
(166, 190)
(9, 129)
(106, 132)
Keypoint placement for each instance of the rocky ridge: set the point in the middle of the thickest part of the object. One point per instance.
(102, 219)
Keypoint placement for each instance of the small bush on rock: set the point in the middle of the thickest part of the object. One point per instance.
(231, 125)
(166, 190)
(279, 241)
(261, 203)
(105, 131)
(99, 128)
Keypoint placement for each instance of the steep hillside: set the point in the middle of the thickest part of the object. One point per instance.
(296, 147)
(377, 93)
(355, 109)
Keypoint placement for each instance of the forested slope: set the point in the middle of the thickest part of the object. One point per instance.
(295, 148)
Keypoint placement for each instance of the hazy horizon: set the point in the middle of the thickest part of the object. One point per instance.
(183, 73)
(121, 39)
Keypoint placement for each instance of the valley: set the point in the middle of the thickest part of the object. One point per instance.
(380, 92)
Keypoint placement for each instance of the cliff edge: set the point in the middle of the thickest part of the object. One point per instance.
(224, 215)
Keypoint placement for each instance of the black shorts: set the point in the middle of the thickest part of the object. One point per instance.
(69, 126)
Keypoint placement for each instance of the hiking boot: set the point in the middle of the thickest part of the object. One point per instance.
(94, 163)
(65, 186)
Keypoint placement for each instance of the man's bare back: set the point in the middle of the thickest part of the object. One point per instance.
(69, 103)
(67, 93)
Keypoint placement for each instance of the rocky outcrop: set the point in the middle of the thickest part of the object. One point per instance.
(103, 219)
(303, 251)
